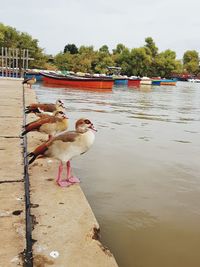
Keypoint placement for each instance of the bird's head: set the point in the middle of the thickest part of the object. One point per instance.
(83, 125)
(59, 103)
(60, 115)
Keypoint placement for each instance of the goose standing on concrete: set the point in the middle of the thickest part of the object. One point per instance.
(45, 108)
(30, 81)
(50, 125)
(66, 146)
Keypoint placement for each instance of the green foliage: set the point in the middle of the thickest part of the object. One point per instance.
(71, 48)
(191, 61)
(11, 38)
(151, 48)
(142, 61)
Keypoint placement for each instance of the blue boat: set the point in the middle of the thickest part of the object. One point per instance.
(29, 75)
(156, 82)
(120, 81)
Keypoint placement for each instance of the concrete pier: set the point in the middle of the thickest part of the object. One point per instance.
(65, 231)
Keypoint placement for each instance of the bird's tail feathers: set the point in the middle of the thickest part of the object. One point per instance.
(24, 132)
(39, 151)
(32, 156)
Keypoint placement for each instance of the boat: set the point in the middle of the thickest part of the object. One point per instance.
(33, 73)
(145, 81)
(78, 81)
(171, 82)
(134, 81)
(120, 80)
(156, 82)
(194, 80)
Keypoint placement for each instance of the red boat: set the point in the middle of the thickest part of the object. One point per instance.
(134, 82)
(79, 82)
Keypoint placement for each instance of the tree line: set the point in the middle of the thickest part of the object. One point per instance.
(146, 60)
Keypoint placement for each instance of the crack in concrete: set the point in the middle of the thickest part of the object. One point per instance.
(11, 181)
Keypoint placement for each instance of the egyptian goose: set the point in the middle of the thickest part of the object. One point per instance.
(66, 146)
(46, 108)
(50, 125)
(30, 81)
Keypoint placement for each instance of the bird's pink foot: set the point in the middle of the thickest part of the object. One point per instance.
(64, 183)
(73, 180)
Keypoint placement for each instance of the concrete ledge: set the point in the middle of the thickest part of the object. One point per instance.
(65, 229)
(12, 208)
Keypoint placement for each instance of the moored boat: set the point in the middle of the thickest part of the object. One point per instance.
(120, 81)
(171, 82)
(145, 81)
(156, 82)
(194, 80)
(134, 82)
(30, 74)
(77, 81)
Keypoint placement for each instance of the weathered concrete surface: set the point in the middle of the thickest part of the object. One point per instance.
(12, 214)
(65, 227)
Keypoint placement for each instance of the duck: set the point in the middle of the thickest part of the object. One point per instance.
(66, 146)
(45, 108)
(30, 81)
(50, 125)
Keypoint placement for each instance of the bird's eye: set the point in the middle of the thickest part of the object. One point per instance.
(87, 122)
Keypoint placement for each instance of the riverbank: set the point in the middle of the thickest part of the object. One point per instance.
(65, 231)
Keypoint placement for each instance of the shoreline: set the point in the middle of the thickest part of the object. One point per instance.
(64, 228)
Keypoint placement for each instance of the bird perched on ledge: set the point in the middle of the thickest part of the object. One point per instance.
(66, 146)
(50, 125)
(45, 108)
(30, 81)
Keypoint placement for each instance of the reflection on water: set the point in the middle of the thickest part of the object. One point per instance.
(142, 175)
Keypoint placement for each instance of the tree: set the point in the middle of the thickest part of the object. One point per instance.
(191, 61)
(166, 63)
(71, 48)
(11, 38)
(151, 47)
(140, 61)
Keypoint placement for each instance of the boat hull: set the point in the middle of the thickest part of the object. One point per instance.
(168, 82)
(79, 82)
(120, 81)
(156, 82)
(134, 82)
(31, 75)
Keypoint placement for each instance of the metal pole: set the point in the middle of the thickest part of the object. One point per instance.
(16, 65)
(9, 61)
(23, 61)
(2, 62)
(13, 62)
(6, 57)
(27, 59)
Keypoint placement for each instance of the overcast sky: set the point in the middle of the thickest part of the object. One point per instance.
(173, 24)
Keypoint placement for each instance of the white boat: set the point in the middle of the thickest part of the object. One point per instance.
(145, 81)
(194, 80)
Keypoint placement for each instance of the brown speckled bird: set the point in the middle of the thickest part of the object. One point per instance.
(50, 125)
(46, 108)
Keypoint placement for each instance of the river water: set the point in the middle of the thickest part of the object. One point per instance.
(142, 175)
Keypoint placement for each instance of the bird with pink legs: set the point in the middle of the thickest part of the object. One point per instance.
(66, 146)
